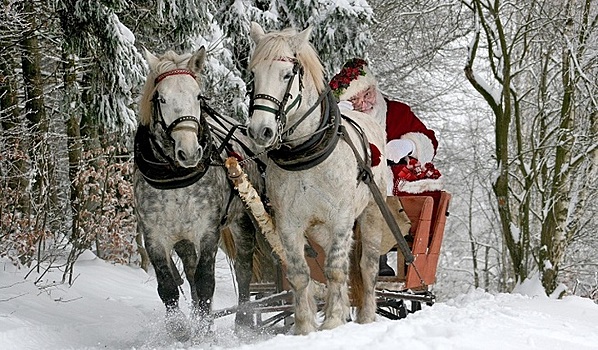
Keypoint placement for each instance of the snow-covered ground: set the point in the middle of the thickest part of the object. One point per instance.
(117, 307)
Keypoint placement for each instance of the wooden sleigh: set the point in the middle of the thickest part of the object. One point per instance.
(397, 295)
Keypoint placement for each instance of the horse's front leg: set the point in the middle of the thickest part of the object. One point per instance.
(176, 322)
(185, 249)
(370, 224)
(205, 281)
(244, 233)
(336, 269)
(298, 275)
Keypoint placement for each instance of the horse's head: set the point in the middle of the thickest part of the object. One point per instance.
(172, 104)
(278, 65)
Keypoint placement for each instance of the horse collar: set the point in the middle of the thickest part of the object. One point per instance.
(317, 149)
(162, 172)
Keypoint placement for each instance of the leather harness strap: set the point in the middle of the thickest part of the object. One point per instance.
(367, 177)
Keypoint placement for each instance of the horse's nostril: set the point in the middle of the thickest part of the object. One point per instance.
(268, 133)
(181, 155)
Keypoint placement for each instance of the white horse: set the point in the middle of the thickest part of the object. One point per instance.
(314, 176)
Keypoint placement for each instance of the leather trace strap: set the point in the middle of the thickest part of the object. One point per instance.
(368, 178)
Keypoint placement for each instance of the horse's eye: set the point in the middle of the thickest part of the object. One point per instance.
(288, 76)
(161, 100)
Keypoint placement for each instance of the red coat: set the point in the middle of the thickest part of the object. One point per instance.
(414, 177)
(401, 120)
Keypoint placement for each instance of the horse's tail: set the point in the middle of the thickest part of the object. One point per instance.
(260, 267)
(355, 278)
(228, 243)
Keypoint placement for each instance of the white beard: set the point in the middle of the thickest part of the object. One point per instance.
(378, 111)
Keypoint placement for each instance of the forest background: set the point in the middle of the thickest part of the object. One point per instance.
(509, 86)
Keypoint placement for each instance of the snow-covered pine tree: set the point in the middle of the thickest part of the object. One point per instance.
(340, 32)
(113, 65)
(230, 48)
(161, 25)
(234, 17)
(101, 71)
(340, 28)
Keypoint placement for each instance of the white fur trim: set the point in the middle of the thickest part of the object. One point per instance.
(388, 174)
(422, 185)
(424, 148)
(358, 85)
(345, 106)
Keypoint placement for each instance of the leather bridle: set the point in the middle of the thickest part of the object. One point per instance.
(157, 116)
(280, 113)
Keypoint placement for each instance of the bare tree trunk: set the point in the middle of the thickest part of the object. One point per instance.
(537, 187)
(472, 242)
(34, 105)
(10, 118)
(502, 110)
(10, 114)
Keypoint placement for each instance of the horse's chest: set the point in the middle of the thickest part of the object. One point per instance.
(200, 204)
(315, 194)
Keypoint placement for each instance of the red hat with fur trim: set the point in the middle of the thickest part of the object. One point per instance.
(353, 78)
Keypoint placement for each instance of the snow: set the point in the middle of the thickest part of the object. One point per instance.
(125, 33)
(117, 307)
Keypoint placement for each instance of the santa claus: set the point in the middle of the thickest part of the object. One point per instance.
(411, 145)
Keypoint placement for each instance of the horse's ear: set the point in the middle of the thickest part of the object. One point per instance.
(301, 39)
(151, 59)
(196, 62)
(305, 34)
(256, 32)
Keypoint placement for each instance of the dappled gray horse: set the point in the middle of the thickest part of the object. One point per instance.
(183, 197)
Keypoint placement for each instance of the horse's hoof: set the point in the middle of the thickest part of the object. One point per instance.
(245, 331)
(202, 322)
(177, 325)
(304, 329)
(244, 319)
(331, 323)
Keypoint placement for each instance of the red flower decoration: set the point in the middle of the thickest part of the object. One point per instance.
(350, 71)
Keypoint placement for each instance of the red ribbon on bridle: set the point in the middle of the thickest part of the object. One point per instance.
(161, 77)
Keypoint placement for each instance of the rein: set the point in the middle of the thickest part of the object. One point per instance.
(365, 175)
(225, 144)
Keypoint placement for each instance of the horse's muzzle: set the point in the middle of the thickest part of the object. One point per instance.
(262, 135)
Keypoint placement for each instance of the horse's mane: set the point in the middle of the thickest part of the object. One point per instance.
(273, 43)
(168, 61)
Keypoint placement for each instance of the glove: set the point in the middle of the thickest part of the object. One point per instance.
(399, 149)
(345, 105)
